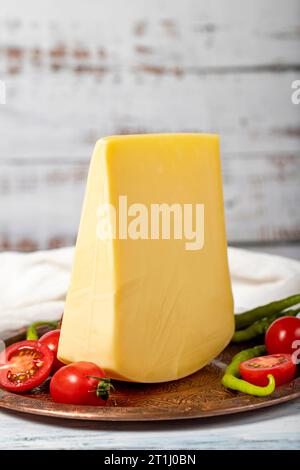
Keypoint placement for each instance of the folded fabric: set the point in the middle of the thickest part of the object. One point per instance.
(34, 285)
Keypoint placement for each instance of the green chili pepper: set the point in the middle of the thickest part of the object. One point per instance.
(31, 330)
(246, 318)
(260, 327)
(231, 377)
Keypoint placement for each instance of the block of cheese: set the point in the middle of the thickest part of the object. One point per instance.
(150, 295)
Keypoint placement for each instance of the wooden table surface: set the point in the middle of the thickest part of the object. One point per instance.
(276, 427)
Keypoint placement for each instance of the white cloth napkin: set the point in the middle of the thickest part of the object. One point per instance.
(33, 286)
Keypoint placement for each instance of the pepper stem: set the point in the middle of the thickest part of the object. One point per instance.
(31, 333)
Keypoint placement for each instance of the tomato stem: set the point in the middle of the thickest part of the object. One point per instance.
(104, 387)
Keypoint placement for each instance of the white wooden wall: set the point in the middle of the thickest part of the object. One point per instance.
(77, 70)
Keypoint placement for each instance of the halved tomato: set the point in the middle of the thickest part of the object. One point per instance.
(25, 365)
(256, 370)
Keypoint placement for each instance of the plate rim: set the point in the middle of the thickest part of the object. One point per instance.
(9, 400)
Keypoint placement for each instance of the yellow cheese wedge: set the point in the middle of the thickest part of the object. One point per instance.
(150, 296)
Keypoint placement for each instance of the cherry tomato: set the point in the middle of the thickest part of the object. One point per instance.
(281, 334)
(25, 365)
(51, 340)
(256, 370)
(80, 383)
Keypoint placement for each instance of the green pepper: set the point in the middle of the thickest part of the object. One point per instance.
(246, 318)
(260, 327)
(31, 330)
(231, 377)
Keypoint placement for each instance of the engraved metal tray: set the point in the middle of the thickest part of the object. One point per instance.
(200, 395)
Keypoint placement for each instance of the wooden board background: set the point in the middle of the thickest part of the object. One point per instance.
(75, 71)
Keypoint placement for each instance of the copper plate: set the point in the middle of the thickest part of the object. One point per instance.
(200, 395)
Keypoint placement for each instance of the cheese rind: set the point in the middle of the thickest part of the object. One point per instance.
(150, 310)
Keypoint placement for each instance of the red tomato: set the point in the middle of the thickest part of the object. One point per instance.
(256, 370)
(80, 383)
(281, 334)
(51, 340)
(24, 365)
